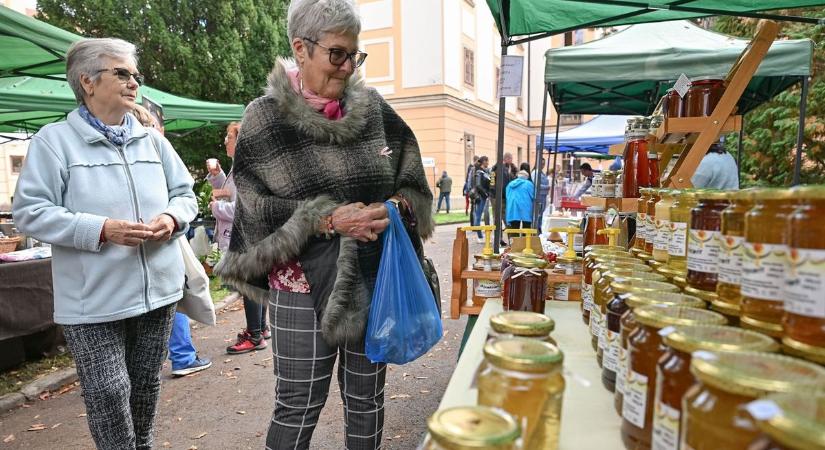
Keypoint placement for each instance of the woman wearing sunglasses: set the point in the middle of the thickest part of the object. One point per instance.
(109, 194)
(316, 158)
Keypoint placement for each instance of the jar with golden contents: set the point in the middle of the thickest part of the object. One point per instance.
(789, 422)
(679, 227)
(524, 324)
(650, 220)
(765, 260)
(673, 377)
(644, 348)
(566, 265)
(608, 184)
(804, 320)
(524, 377)
(714, 408)
(703, 240)
(603, 293)
(641, 220)
(731, 248)
(589, 264)
(662, 239)
(528, 285)
(602, 263)
(472, 427)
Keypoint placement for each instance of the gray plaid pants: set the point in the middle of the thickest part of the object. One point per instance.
(119, 364)
(303, 370)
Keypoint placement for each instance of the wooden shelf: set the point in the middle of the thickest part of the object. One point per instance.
(680, 129)
(471, 274)
(621, 204)
(562, 278)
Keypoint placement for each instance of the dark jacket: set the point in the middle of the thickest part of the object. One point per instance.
(481, 183)
(445, 184)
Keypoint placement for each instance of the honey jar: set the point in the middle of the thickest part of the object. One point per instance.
(524, 377)
(789, 422)
(527, 286)
(604, 294)
(765, 260)
(599, 287)
(472, 427)
(714, 408)
(641, 220)
(804, 295)
(674, 104)
(703, 96)
(644, 348)
(662, 239)
(679, 227)
(703, 240)
(566, 265)
(673, 377)
(525, 324)
(650, 222)
(589, 264)
(731, 248)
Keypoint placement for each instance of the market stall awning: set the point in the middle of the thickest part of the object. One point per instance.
(595, 136)
(31, 47)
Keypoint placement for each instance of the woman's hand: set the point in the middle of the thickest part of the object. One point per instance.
(161, 227)
(359, 221)
(123, 232)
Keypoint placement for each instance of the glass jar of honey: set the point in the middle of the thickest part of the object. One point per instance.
(804, 320)
(662, 239)
(641, 220)
(603, 293)
(608, 184)
(679, 227)
(731, 248)
(714, 409)
(650, 220)
(589, 263)
(674, 104)
(789, 422)
(602, 261)
(765, 260)
(673, 377)
(594, 220)
(472, 427)
(644, 347)
(565, 291)
(524, 324)
(703, 96)
(524, 377)
(703, 240)
(528, 285)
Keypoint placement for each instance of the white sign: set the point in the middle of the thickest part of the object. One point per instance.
(509, 83)
(682, 85)
(428, 162)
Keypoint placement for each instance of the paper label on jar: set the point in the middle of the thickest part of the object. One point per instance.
(665, 427)
(677, 246)
(730, 259)
(703, 251)
(488, 288)
(587, 296)
(805, 283)
(662, 238)
(610, 357)
(641, 226)
(608, 190)
(621, 373)
(561, 292)
(603, 334)
(595, 322)
(635, 399)
(763, 271)
(650, 229)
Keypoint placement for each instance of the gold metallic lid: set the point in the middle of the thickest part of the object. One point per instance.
(680, 281)
(522, 323)
(795, 421)
(638, 266)
(645, 191)
(568, 259)
(762, 194)
(756, 374)
(743, 195)
(670, 272)
(712, 194)
(616, 259)
(671, 193)
(664, 298)
(718, 338)
(708, 296)
(660, 316)
(655, 264)
(523, 354)
(604, 248)
(691, 195)
(482, 256)
(532, 263)
(809, 192)
(629, 285)
(728, 309)
(473, 427)
(612, 274)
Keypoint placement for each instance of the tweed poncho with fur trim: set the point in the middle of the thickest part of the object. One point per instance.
(293, 166)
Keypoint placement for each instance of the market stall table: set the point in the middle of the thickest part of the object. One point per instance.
(26, 305)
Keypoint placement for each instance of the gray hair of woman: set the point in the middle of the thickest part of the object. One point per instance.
(311, 19)
(88, 56)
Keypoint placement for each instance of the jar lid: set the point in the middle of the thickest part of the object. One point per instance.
(708, 296)
(793, 420)
(611, 258)
(629, 285)
(645, 191)
(755, 374)
(523, 354)
(522, 323)
(611, 275)
(482, 256)
(660, 316)
(811, 192)
(670, 193)
(772, 194)
(718, 338)
(532, 263)
(473, 427)
(623, 266)
(568, 259)
(712, 194)
(595, 209)
(639, 300)
(598, 249)
(706, 79)
(670, 272)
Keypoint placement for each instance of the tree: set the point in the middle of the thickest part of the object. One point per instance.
(771, 129)
(202, 49)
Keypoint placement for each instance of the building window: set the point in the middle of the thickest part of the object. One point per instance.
(568, 39)
(571, 119)
(578, 37)
(16, 164)
(469, 67)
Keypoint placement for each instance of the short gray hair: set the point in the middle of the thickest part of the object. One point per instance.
(85, 57)
(314, 18)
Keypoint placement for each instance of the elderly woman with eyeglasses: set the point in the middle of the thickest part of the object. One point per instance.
(109, 195)
(316, 158)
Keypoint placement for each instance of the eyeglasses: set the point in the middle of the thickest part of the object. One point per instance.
(337, 56)
(124, 75)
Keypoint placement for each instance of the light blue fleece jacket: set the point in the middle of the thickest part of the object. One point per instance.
(73, 179)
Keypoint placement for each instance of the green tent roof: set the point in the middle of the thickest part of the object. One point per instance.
(627, 72)
(31, 47)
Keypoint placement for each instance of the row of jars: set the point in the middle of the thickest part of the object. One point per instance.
(608, 184)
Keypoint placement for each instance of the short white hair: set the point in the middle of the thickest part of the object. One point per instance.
(86, 57)
(312, 19)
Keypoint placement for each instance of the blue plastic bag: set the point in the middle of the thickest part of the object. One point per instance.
(404, 322)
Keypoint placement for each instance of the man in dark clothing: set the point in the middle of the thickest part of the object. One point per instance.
(481, 191)
(445, 185)
(469, 177)
(510, 171)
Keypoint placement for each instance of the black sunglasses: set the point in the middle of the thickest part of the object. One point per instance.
(337, 56)
(124, 75)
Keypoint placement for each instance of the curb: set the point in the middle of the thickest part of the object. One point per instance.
(11, 401)
(31, 391)
(226, 301)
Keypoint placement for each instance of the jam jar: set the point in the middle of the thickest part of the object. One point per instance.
(650, 224)
(765, 260)
(703, 95)
(589, 264)
(673, 377)
(804, 320)
(662, 239)
(714, 414)
(472, 427)
(641, 220)
(679, 228)
(789, 422)
(653, 168)
(594, 220)
(604, 293)
(528, 285)
(703, 240)
(524, 377)
(674, 105)
(566, 265)
(731, 248)
(525, 324)
(644, 347)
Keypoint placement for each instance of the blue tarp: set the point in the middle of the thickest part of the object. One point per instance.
(596, 135)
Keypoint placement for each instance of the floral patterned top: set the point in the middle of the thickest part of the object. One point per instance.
(289, 277)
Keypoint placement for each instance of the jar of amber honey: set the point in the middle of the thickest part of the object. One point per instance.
(731, 248)
(765, 260)
(641, 221)
(589, 263)
(703, 96)
(528, 285)
(789, 422)
(673, 377)
(524, 377)
(679, 227)
(714, 409)
(524, 324)
(674, 104)
(650, 220)
(662, 239)
(703, 240)
(472, 427)
(804, 321)
(604, 293)
(602, 264)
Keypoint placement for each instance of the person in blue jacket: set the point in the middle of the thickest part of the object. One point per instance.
(520, 196)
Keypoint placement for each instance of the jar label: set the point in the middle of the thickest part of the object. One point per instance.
(610, 357)
(677, 246)
(603, 334)
(561, 292)
(650, 229)
(595, 322)
(665, 427)
(608, 190)
(621, 373)
(730, 259)
(641, 226)
(763, 271)
(660, 242)
(488, 288)
(703, 251)
(587, 296)
(635, 399)
(805, 283)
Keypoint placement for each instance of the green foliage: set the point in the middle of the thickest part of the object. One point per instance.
(208, 50)
(203, 193)
(771, 129)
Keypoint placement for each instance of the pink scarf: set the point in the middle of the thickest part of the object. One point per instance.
(330, 107)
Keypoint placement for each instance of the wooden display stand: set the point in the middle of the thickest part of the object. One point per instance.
(460, 302)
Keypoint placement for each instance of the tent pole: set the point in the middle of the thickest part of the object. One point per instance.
(537, 167)
(555, 158)
(499, 190)
(800, 136)
(739, 146)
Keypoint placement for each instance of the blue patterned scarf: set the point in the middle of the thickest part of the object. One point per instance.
(117, 135)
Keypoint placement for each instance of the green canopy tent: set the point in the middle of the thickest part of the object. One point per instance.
(29, 47)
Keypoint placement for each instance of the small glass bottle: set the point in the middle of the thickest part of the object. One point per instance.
(679, 228)
(653, 168)
(641, 221)
(528, 285)
(650, 225)
(472, 427)
(662, 240)
(703, 240)
(731, 249)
